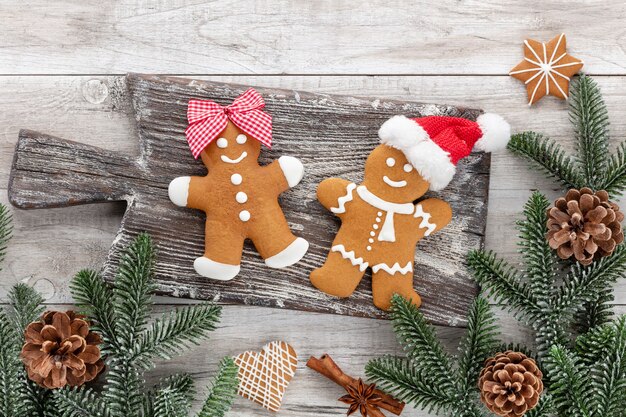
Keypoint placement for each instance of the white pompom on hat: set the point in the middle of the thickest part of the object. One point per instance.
(435, 144)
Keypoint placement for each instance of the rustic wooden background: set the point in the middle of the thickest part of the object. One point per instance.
(61, 63)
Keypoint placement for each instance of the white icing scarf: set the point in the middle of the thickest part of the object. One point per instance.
(387, 233)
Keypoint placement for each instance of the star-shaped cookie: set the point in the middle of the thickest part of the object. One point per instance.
(546, 69)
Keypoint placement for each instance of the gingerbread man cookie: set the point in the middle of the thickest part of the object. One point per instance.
(239, 197)
(381, 224)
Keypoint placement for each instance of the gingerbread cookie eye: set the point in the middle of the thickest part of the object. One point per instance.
(391, 162)
(241, 139)
(407, 167)
(222, 143)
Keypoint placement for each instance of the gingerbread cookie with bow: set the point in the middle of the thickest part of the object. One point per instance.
(239, 197)
(380, 221)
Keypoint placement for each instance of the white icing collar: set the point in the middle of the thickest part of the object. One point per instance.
(370, 198)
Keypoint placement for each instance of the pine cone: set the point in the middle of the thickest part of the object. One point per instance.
(510, 384)
(584, 224)
(61, 350)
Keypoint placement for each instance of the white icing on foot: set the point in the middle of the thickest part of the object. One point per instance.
(349, 255)
(394, 184)
(290, 255)
(425, 223)
(234, 161)
(394, 269)
(215, 270)
(343, 200)
(244, 215)
(292, 169)
(178, 191)
(241, 197)
(236, 179)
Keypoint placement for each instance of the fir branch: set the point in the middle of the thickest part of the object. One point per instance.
(123, 390)
(582, 284)
(539, 257)
(567, 382)
(174, 331)
(10, 368)
(614, 178)
(132, 291)
(597, 312)
(420, 342)
(500, 280)
(590, 118)
(480, 342)
(26, 306)
(95, 300)
(402, 378)
(173, 397)
(222, 392)
(78, 402)
(608, 380)
(547, 155)
(544, 408)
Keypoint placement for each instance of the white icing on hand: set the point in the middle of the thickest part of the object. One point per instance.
(425, 223)
(222, 143)
(234, 161)
(178, 191)
(351, 257)
(292, 169)
(236, 179)
(394, 184)
(343, 200)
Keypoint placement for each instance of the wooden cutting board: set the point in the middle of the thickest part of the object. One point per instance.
(331, 134)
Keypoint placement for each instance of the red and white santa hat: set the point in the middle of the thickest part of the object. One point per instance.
(434, 144)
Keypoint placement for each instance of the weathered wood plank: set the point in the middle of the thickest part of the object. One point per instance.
(48, 172)
(83, 234)
(299, 36)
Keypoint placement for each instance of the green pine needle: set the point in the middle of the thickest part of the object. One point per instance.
(548, 156)
(78, 402)
(175, 331)
(479, 343)
(173, 397)
(26, 306)
(590, 118)
(222, 391)
(614, 181)
(95, 300)
(133, 289)
(568, 382)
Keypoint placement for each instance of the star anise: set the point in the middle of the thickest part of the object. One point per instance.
(362, 398)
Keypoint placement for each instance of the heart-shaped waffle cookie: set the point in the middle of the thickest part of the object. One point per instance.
(264, 376)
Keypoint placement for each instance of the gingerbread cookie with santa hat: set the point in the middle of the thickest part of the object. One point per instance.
(380, 222)
(239, 197)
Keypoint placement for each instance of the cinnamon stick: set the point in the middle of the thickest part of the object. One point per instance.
(327, 367)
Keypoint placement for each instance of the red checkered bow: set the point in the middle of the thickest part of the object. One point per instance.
(208, 119)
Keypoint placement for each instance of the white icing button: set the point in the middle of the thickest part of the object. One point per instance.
(377, 219)
(222, 143)
(407, 167)
(236, 179)
(241, 139)
(372, 234)
(391, 162)
(371, 240)
(369, 248)
(241, 197)
(375, 226)
(244, 215)
(380, 213)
